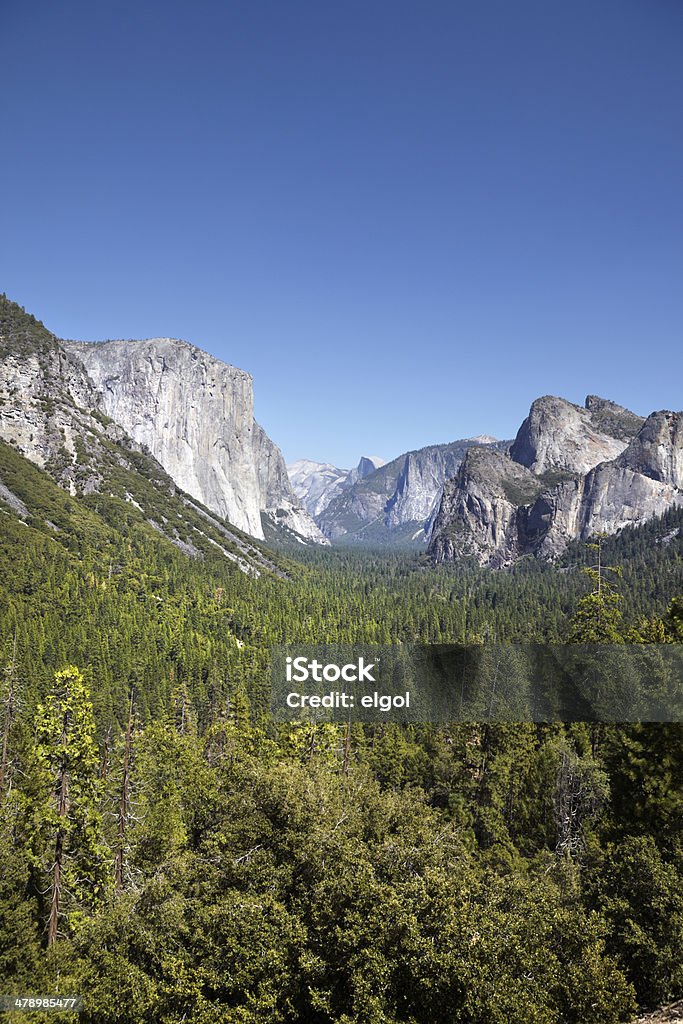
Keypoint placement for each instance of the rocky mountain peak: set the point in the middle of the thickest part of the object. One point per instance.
(367, 464)
(560, 437)
(657, 450)
(478, 514)
(613, 419)
(317, 483)
(396, 502)
(570, 473)
(194, 413)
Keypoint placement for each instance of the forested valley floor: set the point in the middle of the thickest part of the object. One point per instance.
(171, 855)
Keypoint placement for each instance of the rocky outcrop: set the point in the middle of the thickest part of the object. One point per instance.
(492, 513)
(292, 522)
(63, 405)
(419, 483)
(47, 404)
(558, 436)
(367, 464)
(671, 1014)
(645, 480)
(396, 501)
(50, 414)
(195, 415)
(480, 512)
(272, 479)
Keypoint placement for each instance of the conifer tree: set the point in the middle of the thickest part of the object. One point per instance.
(8, 709)
(66, 765)
(598, 618)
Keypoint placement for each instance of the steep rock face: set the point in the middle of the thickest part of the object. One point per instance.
(561, 500)
(657, 449)
(642, 482)
(47, 404)
(397, 500)
(51, 417)
(195, 414)
(367, 464)
(558, 436)
(35, 412)
(645, 480)
(84, 412)
(420, 483)
(554, 518)
(271, 472)
(279, 504)
(479, 515)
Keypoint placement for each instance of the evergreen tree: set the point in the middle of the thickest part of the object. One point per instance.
(68, 834)
(598, 617)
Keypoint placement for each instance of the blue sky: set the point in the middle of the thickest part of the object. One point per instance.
(406, 220)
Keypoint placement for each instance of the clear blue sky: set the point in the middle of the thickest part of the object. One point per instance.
(406, 220)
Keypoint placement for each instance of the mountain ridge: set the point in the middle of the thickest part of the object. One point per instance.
(395, 503)
(317, 483)
(571, 472)
(192, 413)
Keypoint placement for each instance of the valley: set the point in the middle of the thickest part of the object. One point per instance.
(208, 864)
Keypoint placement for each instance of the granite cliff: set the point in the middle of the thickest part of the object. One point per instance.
(394, 503)
(189, 412)
(195, 414)
(570, 473)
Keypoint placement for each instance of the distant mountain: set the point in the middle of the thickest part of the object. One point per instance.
(367, 464)
(64, 403)
(571, 472)
(317, 483)
(393, 504)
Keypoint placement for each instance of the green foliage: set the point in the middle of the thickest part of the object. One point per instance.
(520, 492)
(64, 802)
(20, 333)
(301, 895)
(469, 873)
(641, 896)
(598, 618)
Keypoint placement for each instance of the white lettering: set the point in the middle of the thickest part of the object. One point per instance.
(301, 667)
(364, 673)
